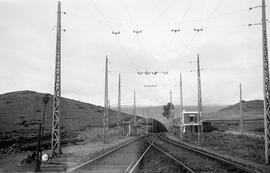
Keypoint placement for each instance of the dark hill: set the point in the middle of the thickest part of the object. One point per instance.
(252, 109)
(21, 111)
(248, 106)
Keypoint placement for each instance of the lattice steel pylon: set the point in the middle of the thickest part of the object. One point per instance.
(200, 116)
(106, 104)
(56, 134)
(181, 109)
(134, 114)
(119, 107)
(171, 114)
(266, 87)
(241, 110)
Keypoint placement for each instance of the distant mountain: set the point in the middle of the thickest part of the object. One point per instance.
(252, 109)
(159, 109)
(21, 111)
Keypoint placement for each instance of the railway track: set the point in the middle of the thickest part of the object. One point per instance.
(155, 159)
(156, 153)
(199, 160)
(133, 157)
(117, 160)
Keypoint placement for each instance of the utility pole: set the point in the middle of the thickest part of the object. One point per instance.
(200, 118)
(105, 112)
(119, 106)
(56, 126)
(134, 114)
(147, 119)
(108, 117)
(144, 117)
(181, 108)
(266, 87)
(241, 111)
(152, 128)
(170, 112)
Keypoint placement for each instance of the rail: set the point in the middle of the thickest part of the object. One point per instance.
(183, 166)
(209, 155)
(103, 155)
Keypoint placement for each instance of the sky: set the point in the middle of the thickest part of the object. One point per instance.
(230, 51)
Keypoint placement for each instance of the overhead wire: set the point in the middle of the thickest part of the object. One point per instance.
(183, 17)
(215, 9)
(203, 21)
(133, 26)
(178, 26)
(110, 25)
(198, 34)
(164, 11)
(101, 14)
(202, 12)
(188, 44)
(173, 37)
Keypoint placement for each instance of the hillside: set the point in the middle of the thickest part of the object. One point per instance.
(252, 109)
(21, 111)
(248, 106)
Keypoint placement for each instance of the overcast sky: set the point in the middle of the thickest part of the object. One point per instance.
(230, 51)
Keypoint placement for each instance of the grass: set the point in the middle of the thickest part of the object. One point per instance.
(248, 148)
